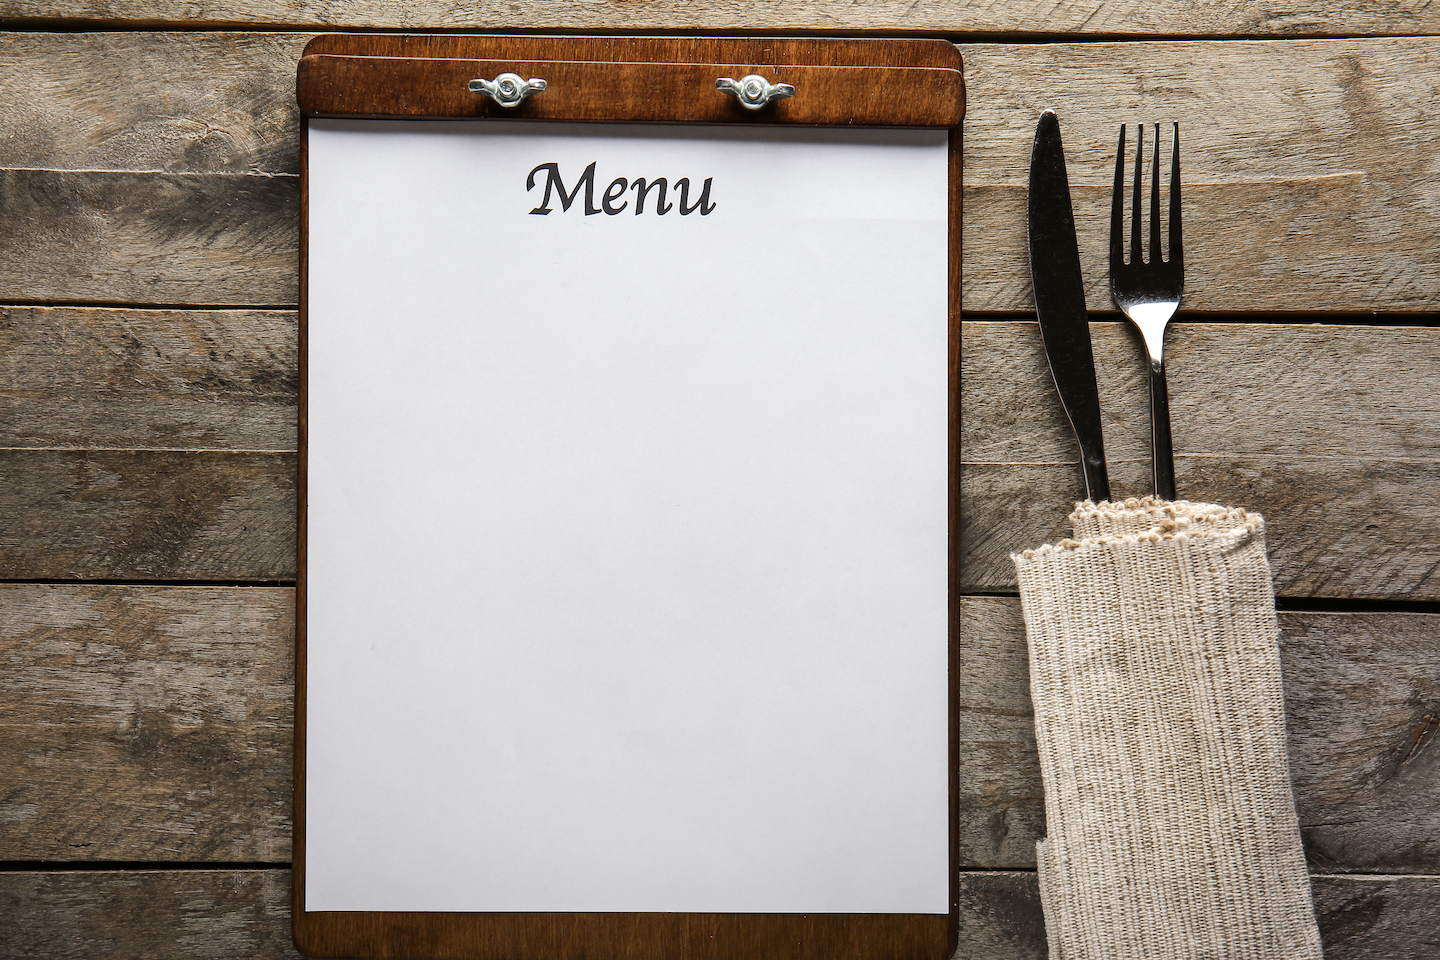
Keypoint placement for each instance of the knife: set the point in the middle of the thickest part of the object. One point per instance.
(1060, 300)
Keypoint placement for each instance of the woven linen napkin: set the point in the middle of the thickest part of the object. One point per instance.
(1155, 675)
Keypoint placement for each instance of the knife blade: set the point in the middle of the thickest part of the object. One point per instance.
(1060, 300)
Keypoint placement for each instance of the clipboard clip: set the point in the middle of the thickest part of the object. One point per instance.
(754, 91)
(508, 89)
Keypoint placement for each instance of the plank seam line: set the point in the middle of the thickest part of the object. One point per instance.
(1201, 185)
(63, 304)
(1314, 875)
(1352, 606)
(1044, 463)
(1286, 320)
(1306, 458)
(158, 866)
(1226, 457)
(225, 450)
(963, 39)
(151, 584)
(960, 36)
(1324, 606)
(134, 308)
(130, 866)
(158, 172)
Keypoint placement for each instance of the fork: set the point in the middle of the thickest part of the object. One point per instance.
(1148, 291)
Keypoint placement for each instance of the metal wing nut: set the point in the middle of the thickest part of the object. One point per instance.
(508, 89)
(754, 91)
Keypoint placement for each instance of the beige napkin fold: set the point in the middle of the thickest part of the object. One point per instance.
(1155, 675)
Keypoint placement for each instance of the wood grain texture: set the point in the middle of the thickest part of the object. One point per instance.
(166, 102)
(1361, 918)
(154, 723)
(1313, 154)
(1254, 425)
(391, 79)
(156, 914)
(1122, 17)
(335, 86)
(147, 515)
(158, 379)
(145, 723)
(1308, 167)
(831, 51)
(149, 238)
(1373, 803)
(242, 914)
(144, 165)
(1362, 699)
(1329, 431)
(625, 936)
(1370, 537)
(912, 83)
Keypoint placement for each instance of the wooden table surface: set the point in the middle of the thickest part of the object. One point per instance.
(149, 221)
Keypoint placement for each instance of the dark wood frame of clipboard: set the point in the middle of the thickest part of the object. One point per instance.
(840, 82)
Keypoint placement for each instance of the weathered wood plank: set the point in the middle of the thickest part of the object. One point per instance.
(147, 515)
(1261, 389)
(1378, 918)
(146, 723)
(154, 723)
(1361, 918)
(1001, 917)
(1307, 166)
(1311, 153)
(159, 915)
(1362, 697)
(1124, 17)
(178, 103)
(200, 379)
(1002, 799)
(1265, 428)
(1330, 431)
(1335, 528)
(149, 238)
(116, 915)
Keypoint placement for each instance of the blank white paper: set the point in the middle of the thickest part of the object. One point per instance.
(626, 532)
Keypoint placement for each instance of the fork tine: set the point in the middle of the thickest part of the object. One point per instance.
(1137, 252)
(1177, 251)
(1117, 207)
(1148, 290)
(1155, 201)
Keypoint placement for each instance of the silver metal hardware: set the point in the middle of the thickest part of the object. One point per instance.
(754, 91)
(508, 89)
(1148, 290)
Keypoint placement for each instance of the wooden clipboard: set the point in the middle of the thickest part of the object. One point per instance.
(839, 84)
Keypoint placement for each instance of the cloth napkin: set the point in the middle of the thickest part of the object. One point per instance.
(1155, 676)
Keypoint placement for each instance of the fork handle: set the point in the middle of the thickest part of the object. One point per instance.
(1162, 455)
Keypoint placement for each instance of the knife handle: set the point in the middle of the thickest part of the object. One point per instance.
(1162, 456)
(1097, 480)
